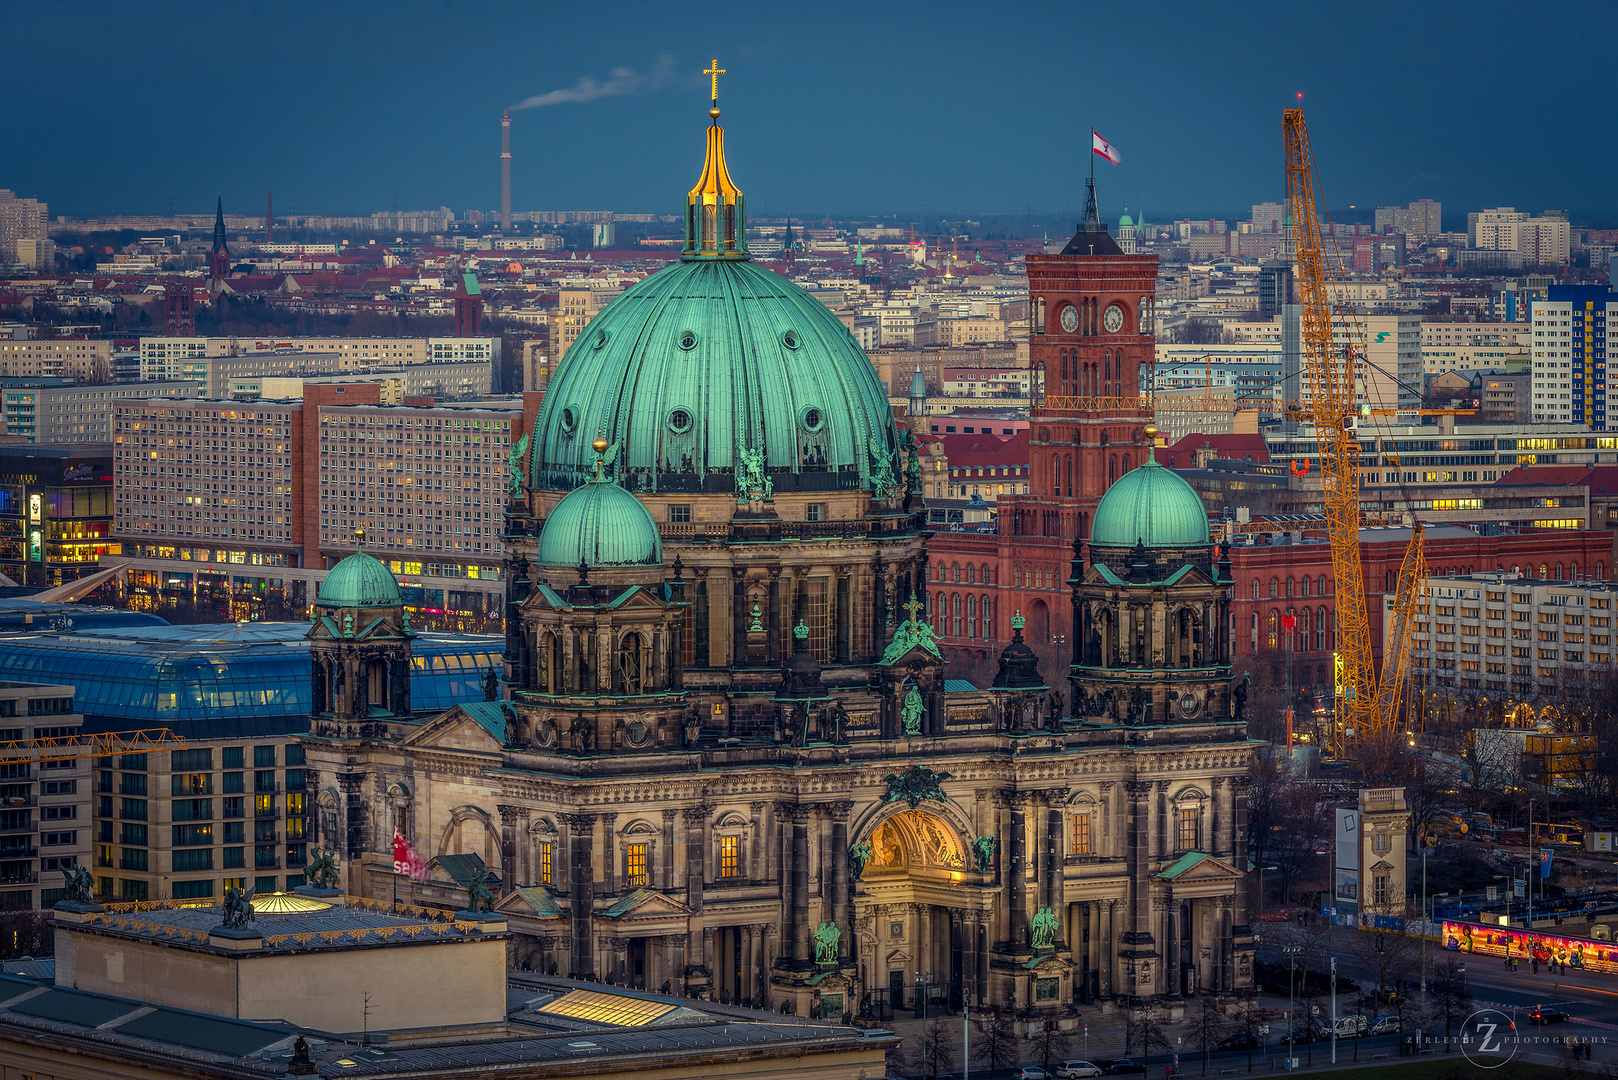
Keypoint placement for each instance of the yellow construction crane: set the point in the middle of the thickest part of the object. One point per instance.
(78, 747)
(1366, 725)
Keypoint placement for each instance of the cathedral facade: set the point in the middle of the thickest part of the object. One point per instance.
(722, 756)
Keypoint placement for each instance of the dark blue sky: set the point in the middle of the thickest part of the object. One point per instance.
(865, 107)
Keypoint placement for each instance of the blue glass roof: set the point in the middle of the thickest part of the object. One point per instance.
(220, 680)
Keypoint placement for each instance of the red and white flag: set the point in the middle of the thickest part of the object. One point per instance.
(406, 859)
(1104, 148)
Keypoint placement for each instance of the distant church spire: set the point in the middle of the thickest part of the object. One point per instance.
(219, 261)
(219, 226)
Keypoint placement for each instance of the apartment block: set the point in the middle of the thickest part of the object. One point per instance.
(45, 823)
(79, 359)
(167, 357)
(77, 413)
(20, 219)
(1570, 355)
(1544, 632)
(224, 496)
(232, 811)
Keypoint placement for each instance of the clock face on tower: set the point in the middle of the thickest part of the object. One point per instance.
(1113, 319)
(1070, 319)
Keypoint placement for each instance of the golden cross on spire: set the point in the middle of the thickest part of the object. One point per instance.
(715, 71)
(913, 605)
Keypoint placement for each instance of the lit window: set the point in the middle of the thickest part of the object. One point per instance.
(635, 864)
(730, 856)
(547, 850)
(1081, 834)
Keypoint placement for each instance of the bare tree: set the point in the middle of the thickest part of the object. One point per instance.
(1050, 1043)
(1250, 1023)
(1390, 958)
(1149, 1033)
(1490, 761)
(937, 1046)
(1449, 995)
(1208, 1026)
(996, 1041)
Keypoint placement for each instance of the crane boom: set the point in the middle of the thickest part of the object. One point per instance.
(1368, 707)
(77, 747)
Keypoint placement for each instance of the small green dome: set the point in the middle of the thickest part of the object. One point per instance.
(1124, 219)
(359, 581)
(600, 524)
(1152, 505)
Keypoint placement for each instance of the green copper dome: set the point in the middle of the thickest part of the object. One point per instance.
(717, 375)
(702, 361)
(600, 524)
(359, 581)
(1152, 505)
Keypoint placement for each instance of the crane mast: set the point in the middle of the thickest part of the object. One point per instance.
(1367, 709)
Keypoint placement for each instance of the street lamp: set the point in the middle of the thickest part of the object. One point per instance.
(1291, 952)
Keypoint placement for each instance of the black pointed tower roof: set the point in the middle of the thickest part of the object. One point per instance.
(219, 226)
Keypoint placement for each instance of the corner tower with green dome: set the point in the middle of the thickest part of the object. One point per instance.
(1152, 607)
(761, 446)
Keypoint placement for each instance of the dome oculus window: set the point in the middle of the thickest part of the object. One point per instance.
(570, 420)
(812, 418)
(789, 338)
(600, 340)
(688, 340)
(680, 421)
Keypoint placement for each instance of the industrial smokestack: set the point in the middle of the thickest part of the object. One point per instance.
(505, 171)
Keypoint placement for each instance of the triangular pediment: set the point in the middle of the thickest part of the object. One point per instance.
(533, 901)
(647, 904)
(1198, 867)
(472, 728)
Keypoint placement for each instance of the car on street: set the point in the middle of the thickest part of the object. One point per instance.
(1541, 1015)
(1241, 1041)
(1072, 1069)
(1121, 1066)
(1030, 1072)
(1385, 1025)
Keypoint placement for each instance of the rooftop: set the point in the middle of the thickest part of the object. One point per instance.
(224, 679)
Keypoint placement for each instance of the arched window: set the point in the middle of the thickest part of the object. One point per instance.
(1064, 369)
(1127, 465)
(1275, 587)
(971, 572)
(1255, 588)
(1304, 586)
(1069, 474)
(1559, 576)
(955, 571)
(971, 616)
(1112, 468)
(1572, 574)
(1320, 629)
(629, 668)
(986, 610)
(1274, 628)
(957, 606)
(1544, 571)
(1322, 590)
(983, 573)
(1039, 316)
(1289, 586)
(1601, 571)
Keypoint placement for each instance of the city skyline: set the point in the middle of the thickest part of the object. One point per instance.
(846, 112)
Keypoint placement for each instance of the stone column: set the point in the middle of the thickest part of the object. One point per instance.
(609, 860)
(798, 896)
(842, 893)
(674, 962)
(751, 936)
(756, 845)
(668, 849)
(704, 952)
(696, 850)
(980, 947)
(508, 847)
(1138, 858)
(1016, 868)
(1055, 798)
(581, 893)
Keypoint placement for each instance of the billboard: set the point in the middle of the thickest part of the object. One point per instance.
(1348, 839)
(1579, 953)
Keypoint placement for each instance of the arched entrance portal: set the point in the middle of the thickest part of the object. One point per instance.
(926, 940)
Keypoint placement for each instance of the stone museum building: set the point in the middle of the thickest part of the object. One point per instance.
(722, 758)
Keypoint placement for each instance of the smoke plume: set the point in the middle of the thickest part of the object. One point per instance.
(620, 82)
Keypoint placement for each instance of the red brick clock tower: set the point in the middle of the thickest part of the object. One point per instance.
(1092, 336)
